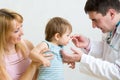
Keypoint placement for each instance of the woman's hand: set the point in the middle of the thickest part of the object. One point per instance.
(46, 59)
(46, 62)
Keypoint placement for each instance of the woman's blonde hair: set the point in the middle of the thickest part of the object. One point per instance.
(6, 26)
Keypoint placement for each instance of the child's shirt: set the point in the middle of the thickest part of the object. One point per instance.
(55, 71)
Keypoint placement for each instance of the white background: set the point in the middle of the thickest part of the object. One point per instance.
(36, 14)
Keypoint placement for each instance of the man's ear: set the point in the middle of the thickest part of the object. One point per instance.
(112, 13)
(57, 36)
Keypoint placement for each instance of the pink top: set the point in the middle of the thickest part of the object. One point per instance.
(16, 65)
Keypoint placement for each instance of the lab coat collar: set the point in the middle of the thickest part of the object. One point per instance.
(118, 29)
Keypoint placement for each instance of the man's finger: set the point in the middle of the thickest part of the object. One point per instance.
(74, 50)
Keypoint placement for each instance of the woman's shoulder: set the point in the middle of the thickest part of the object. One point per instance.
(28, 44)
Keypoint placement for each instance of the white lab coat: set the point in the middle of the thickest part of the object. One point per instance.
(103, 61)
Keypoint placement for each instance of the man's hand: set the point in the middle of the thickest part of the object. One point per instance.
(75, 57)
(80, 41)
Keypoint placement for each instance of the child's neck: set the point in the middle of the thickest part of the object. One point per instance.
(55, 43)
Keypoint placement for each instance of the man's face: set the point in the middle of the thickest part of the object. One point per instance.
(105, 23)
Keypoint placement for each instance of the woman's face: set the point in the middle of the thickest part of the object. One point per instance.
(16, 33)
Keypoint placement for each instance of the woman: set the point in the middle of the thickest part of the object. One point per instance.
(14, 51)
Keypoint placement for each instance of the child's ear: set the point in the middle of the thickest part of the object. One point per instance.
(57, 36)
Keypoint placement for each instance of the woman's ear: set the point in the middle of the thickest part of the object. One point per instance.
(57, 36)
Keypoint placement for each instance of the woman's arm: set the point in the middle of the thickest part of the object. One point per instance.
(29, 74)
(30, 46)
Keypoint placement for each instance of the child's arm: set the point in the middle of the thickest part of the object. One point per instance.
(37, 56)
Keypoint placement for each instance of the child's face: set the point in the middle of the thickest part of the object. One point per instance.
(64, 39)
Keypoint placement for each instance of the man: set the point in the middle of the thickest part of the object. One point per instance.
(100, 59)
